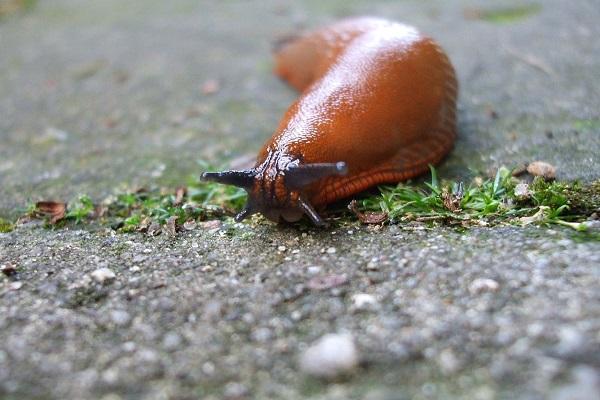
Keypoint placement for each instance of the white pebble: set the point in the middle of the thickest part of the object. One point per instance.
(103, 275)
(313, 269)
(331, 250)
(364, 301)
(330, 356)
(481, 285)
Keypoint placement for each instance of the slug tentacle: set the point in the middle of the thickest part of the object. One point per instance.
(243, 179)
(311, 213)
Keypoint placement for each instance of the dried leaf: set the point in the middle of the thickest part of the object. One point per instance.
(180, 195)
(144, 225)
(452, 200)
(368, 217)
(54, 210)
(210, 86)
(154, 229)
(8, 269)
(543, 169)
(327, 282)
(170, 228)
(537, 217)
(100, 211)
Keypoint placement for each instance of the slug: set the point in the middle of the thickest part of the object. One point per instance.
(377, 105)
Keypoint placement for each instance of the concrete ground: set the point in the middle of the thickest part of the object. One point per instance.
(97, 95)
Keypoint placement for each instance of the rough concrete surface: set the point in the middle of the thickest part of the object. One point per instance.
(94, 95)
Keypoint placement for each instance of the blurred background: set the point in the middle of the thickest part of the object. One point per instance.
(96, 95)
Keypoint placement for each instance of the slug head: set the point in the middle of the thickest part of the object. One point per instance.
(275, 187)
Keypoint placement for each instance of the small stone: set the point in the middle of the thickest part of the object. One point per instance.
(139, 258)
(313, 269)
(448, 362)
(15, 285)
(330, 356)
(364, 301)
(281, 249)
(128, 347)
(543, 169)
(593, 226)
(481, 285)
(189, 225)
(171, 341)
(120, 317)
(235, 391)
(522, 191)
(103, 275)
(373, 265)
(331, 250)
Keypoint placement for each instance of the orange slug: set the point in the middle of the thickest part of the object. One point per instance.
(377, 105)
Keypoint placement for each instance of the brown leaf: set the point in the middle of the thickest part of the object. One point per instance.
(100, 211)
(170, 228)
(8, 269)
(154, 229)
(543, 169)
(210, 86)
(327, 282)
(54, 210)
(452, 200)
(179, 195)
(368, 217)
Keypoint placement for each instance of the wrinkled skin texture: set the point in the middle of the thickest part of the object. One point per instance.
(375, 95)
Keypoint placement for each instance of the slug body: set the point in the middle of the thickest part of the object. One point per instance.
(377, 105)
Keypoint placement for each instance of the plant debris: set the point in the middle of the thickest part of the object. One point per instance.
(8, 269)
(53, 210)
(542, 169)
(503, 199)
(327, 281)
(369, 217)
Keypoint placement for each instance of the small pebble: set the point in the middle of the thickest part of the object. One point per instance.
(373, 265)
(331, 250)
(313, 269)
(281, 248)
(171, 341)
(15, 285)
(120, 317)
(235, 391)
(364, 301)
(189, 225)
(103, 275)
(593, 226)
(330, 356)
(481, 285)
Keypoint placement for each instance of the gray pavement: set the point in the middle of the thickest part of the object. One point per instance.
(97, 95)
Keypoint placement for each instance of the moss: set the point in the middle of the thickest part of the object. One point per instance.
(587, 124)
(510, 14)
(6, 226)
